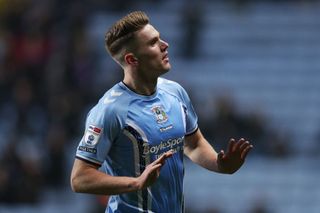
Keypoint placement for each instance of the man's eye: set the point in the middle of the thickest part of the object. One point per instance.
(154, 42)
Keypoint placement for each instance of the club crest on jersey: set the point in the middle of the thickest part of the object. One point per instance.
(92, 135)
(160, 114)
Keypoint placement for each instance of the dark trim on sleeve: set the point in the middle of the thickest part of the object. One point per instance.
(193, 132)
(89, 162)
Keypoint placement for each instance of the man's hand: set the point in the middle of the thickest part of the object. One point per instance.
(231, 161)
(152, 171)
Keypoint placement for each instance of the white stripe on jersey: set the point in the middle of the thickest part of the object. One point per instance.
(137, 160)
(183, 113)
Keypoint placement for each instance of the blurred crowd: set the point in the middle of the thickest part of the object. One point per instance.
(47, 84)
(225, 122)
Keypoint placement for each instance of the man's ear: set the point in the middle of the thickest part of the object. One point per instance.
(129, 58)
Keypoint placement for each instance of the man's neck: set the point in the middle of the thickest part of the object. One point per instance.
(141, 86)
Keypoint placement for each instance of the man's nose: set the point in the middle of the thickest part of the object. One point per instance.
(164, 45)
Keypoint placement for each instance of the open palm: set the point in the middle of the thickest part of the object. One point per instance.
(233, 159)
(152, 171)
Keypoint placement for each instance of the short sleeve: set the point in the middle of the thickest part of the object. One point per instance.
(190, 114)
(101, 129)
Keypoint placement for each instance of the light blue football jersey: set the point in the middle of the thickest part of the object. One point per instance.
(126, 131)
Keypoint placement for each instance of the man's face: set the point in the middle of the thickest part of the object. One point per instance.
(151, 52)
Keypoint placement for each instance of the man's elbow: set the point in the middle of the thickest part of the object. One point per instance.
(75, 184)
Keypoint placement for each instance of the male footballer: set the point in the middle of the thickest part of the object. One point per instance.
(142, 127)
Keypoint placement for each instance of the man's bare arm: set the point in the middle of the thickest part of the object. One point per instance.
(86, 178)
(201, 152)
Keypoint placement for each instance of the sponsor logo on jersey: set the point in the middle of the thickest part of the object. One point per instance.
(94, 129)
(115, 93)
(87, 149)
(108, 101)
(163, 129)
(175, 144)
(92, 135)
(160, 114)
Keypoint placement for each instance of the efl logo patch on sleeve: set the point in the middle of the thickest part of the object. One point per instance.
(92, 135)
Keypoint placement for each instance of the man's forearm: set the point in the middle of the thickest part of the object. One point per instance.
(203, 154)
(198, 149)
(90, 180)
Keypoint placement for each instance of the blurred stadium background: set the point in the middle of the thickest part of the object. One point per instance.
(252, 69)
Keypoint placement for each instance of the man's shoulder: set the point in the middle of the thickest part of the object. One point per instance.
(114, 96)
(114, 101)
(169, 85)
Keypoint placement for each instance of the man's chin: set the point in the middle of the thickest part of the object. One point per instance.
(166, 70)
(167, 67)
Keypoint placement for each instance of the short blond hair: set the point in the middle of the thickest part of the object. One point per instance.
(123, 31)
